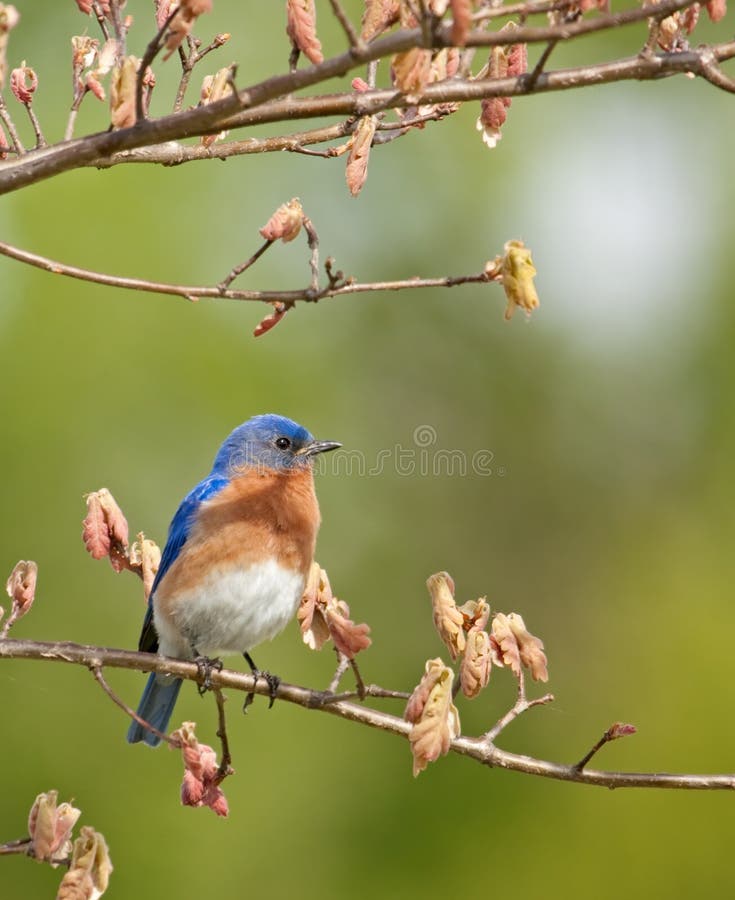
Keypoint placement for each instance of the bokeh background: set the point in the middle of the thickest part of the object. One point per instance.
(606, 520)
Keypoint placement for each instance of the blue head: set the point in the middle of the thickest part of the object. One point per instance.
(269, 442)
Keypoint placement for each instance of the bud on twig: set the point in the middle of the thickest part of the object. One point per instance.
(516, 271)
(9, 18)
(448, 620)
(301, 29)
(21, 588)
(285, 223)
(23, 83)
(201, 784)
(89, 873)
(434, 717)
(105, 528)
(50, 827)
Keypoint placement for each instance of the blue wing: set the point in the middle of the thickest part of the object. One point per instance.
(178, 533)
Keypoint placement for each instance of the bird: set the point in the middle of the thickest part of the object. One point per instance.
(235, 562)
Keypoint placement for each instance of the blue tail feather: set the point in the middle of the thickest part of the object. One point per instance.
(156, 707)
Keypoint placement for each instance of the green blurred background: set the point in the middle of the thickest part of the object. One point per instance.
(606, 520)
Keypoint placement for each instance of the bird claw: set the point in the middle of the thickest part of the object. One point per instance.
(273, 683)
(206, 666)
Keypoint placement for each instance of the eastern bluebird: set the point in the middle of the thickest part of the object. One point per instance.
(236, 559)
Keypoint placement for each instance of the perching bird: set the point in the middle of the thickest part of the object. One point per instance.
(238, 552)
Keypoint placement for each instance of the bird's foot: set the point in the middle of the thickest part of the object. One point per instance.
(206, 666)
(272, 680)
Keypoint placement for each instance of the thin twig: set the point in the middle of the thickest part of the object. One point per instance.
(188, 62)
(21, 846)
(100, 16)
(479, 748)
(238, 270)
(151, 52)
(352, 36)
(10, 126)
(519, 707)
(313, 241)
(195, 292)
(225, 767)
(343, 664)
(615, 731)
(96, 670)
(40, 140)
(539, 67)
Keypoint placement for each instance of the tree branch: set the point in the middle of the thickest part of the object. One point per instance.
(254, 104)
(309, 294)
(477, 748)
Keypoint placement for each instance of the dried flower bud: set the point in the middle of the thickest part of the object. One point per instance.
(411, 70)
(462, 14)
(164, 8)
(379, 15)
(9, 18)
(50, 827)
(504, 62)
(23, 83)
(200, 786)
(21, 588)
(716, 9)
(448, 620)
(516, 271)
(122, 92)
(477, 661)
(216, 87)
(105, 528)
(272, 319)
(475, 613)
(4, 147)
(433, 714)
(357, 162)
(187, 13)
(360, 85)
(506, 643)
(145, 555)
(317, 593)
(89, 874)
(301, 29)
(321, 615)
(690, 17)
(531, 648)
(349, 638)
(285, 223)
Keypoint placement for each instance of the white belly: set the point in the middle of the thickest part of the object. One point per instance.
(232, 611)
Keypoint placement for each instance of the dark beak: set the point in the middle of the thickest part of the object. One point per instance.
(318, 447)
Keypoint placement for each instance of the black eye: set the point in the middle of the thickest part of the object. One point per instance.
(283, 443)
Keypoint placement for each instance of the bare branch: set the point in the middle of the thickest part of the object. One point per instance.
(477, 748)
(196, 292)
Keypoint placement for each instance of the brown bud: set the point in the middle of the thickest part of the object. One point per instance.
(285, 223)
(50, 827)
(122, 92)
(357, 162)
(21, 588)
(89, 873)
(301, 29)
(433, 714)
(448, 620)
(531, 648)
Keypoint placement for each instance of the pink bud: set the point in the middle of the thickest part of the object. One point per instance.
(270, 321)
(23, 83)
(301, 29)
(21, 588)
